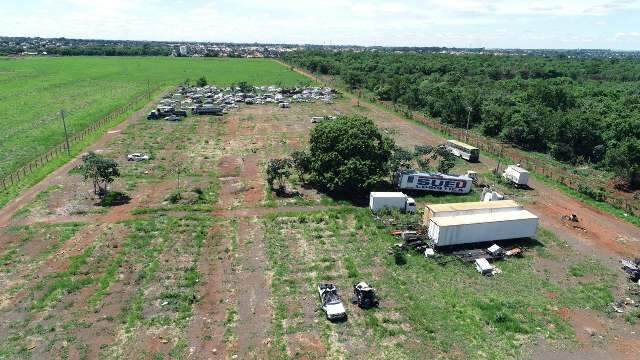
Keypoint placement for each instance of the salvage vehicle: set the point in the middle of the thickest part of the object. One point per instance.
(330, 302)
(364, 295)
(137, 157)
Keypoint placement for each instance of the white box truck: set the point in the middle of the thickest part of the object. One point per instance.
(414, 180)
(517, 175)
(391, 200)
(483, 227)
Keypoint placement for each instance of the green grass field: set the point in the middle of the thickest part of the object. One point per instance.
(33, 90)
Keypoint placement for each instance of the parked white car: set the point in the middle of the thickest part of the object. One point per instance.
(137, 157)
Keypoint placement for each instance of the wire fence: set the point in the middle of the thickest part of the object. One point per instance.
(61, 148)
(560, 175)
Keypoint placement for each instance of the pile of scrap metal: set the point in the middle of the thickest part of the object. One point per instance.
(622, 305)
(485, 268)
(411, 240)
(494, 252)
(632, 268)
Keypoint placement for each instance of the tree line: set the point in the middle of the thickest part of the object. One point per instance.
(581, 111)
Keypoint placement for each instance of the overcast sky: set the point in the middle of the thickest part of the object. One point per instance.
(611, 24)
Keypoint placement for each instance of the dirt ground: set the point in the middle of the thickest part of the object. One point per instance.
(114, 284)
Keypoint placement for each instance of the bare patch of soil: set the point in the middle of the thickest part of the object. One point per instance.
(255, 186)
(254, 311)
(206, 330)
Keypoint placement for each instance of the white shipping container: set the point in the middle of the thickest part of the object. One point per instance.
(467, 229)
(517, 175)
(469, 208)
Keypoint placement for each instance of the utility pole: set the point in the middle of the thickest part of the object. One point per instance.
(66, 135)
(497, 170)
(178, 179)
(466, 134)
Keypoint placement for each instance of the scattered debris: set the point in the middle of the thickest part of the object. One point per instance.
(572, 218)
(632, 268)
(622, 305)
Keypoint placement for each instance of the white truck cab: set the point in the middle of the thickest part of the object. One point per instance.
(391, 200)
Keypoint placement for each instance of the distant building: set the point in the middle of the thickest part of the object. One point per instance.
(184, 51)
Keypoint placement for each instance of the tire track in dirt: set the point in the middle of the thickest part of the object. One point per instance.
(255, 186)
(254, 310)
(206, 330)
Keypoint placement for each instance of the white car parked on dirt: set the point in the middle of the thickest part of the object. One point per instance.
(137, 157)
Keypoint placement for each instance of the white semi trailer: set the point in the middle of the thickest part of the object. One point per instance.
(422, 181)
(391, 200)
(479, 222)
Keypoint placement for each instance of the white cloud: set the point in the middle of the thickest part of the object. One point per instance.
(494, 23)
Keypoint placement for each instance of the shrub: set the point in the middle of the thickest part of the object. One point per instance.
(598, 195)
(114, 198)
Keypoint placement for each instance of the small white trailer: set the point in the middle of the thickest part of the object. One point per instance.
(435, 182)
(517, 175)
(391, 200)
(482, 227)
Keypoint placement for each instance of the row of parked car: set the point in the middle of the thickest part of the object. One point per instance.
(211, 100)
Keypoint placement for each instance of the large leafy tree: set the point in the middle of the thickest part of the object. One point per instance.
(100, 170)
(348, 155)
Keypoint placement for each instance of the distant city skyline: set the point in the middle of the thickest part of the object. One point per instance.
(570, 24)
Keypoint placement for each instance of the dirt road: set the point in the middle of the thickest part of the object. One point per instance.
(7, 211)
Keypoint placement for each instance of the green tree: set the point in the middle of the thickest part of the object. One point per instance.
(425, 154)
(529, 127)
(100, 170)
(278, 170)
(202, 81)
(577, 135)
(301, 162)
(349, 155)
(245, 87)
